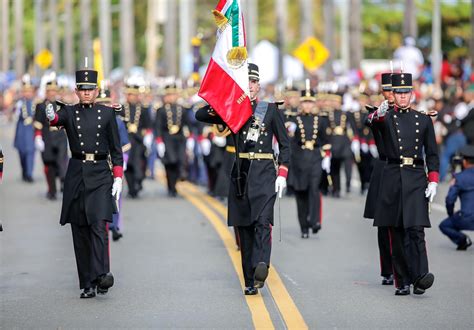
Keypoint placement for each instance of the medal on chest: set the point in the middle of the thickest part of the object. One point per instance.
(254, 131)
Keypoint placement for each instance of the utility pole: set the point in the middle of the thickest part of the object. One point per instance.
(355, 34)
(152, 41)
(69, 58)
(410, 27)
(170, 39)
(186, 32)
(40, 42)
(306, 10)
(54, 40)
(86, 37)
(329, 35)
(5, 29)
(251, 23)
(105, 35)
(127, 35)
(282, 24)
(345, 34)
(19, 46)
(436, 52)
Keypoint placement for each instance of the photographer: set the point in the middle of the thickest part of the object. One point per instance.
(462, 186)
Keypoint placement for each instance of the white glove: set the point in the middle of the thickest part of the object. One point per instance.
(161, 149)
(219, 141)
(326, 164)
(291, 127)
(50, 113)
(382, 110)
(117, 188)
(39, 143)
(190, 144)
(374, 151)
(148, 141)
(364, 147)
(280, 185)
(355, 147)
(430, 191)
(205, 147)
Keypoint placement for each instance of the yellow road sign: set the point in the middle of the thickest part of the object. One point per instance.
(44, 59)
(312, 53)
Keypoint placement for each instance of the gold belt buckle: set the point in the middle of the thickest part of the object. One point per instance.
(251, 155)
(90, 157)
(407, 161)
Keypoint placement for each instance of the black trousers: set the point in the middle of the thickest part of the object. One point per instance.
(308, 203)
(336, 164)
(134, 180)
(172, 176)
(255, 247)
(409, 256)
(383, 235)
(92, 252)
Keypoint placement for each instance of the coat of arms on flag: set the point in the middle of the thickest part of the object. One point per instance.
(225, 85)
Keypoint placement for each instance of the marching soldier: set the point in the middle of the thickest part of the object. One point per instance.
(372, 201)
(310, 155)
(24, 136)
(255, 184)
(410, 146)
(340, 128)
(171, 127)
(462, 186)
(91, 186)
(51, 141)
(105, 98)
(140, 134)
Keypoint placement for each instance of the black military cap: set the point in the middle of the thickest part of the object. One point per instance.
(86, 79)
(467, 152)
(386, 81)
(308, 95)
(253, 72)
(401, 82)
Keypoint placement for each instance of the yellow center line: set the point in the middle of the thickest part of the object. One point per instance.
(260, 315)
(287, 307)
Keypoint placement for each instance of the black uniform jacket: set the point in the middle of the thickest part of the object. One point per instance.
(305, 165)
(167, 117)
(340, 125)
(55, 141)
(258, 201)
(90, 130)
(371, 202)
(137, 120)
(402, 201)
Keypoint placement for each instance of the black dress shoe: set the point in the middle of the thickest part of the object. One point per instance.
(418, 291)
(104, 283)
(116, 235)
(316, 228)
(304, 235)
(464, 244)
(88, 293)
(250, 291)
(387, 280)
(424, 282)
(403, 291)
(260, 275)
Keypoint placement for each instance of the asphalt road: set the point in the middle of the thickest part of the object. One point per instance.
(175, 268)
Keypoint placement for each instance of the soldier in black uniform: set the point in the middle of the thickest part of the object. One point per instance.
(139, 126)
(383, 236)
(51, 141)
(340, 127)
(92, 186)
(171, 128)
(252, 194)
(410, 146)
(310, 155)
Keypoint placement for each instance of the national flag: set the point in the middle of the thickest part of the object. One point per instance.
(225, 86)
